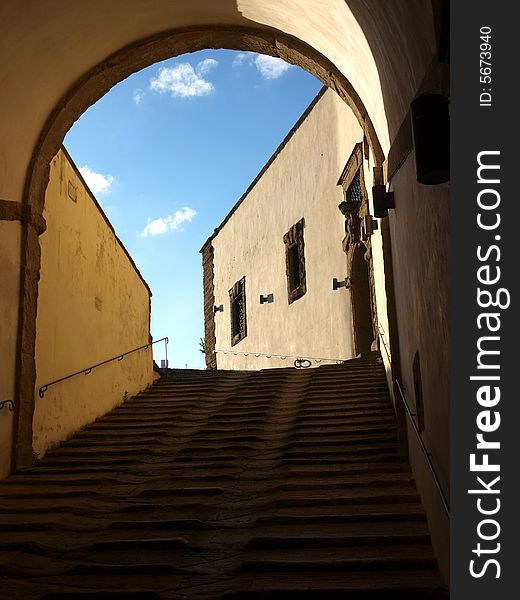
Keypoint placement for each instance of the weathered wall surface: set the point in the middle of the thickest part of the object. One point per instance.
(92, 305)
(301, 182)
(420, 228)
(10, 234)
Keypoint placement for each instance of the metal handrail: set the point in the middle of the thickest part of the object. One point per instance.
(427, 454)
(411, 416)
(382, 335)
(88, 370)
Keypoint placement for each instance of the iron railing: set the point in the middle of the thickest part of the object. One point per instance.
(385, 346)
(88, 370)
(300, 362)
(411, 416)
(427, 454)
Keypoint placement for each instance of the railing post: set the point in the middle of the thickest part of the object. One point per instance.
(166, 354)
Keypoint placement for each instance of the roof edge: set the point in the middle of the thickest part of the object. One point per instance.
(103, 214)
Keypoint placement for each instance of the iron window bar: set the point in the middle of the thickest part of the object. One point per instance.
(88, 370)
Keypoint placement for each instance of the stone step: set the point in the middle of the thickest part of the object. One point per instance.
(342, 450)
(147, 544)
(343, 566)
(420, 586)
(354, 416)
(328, 461)
(345, 405)
(357, 424)
(335, 541)
(181, 491)
(344, 482)
(122, 435)
(100, 594)
(340, 440)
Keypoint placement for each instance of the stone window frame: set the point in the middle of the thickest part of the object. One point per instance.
(293, 239)
(355, 188)
(352, 170)
(237, 296)
(353, 211)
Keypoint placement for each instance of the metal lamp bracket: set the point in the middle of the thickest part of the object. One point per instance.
(343, 283)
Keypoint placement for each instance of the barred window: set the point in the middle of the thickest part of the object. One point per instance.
(237, 299)
(295, 262)
(352, 181)
(354, 195)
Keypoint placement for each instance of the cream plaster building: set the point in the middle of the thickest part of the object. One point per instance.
(275, 269)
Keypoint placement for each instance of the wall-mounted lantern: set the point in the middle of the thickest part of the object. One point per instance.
(341, 283)
(267, 299)
(431, 138)
(219, 308)
(368, 227)
(382, 200)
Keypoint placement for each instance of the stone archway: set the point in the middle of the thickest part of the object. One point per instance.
(99, 80)
(86, 92)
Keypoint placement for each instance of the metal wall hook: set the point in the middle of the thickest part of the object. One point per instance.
(267, 299)
(10, 405)
(368, 227)
(339, 283)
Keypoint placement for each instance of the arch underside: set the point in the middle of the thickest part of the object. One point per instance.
(139, 55)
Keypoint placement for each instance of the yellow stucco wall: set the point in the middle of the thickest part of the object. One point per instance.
(92, 305)
(300, 182)
(10, 239)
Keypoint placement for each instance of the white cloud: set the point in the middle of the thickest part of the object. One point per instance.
(183, 80)
(242, 57)
(138, 96)
(98, 183)
(271, 67)
(170, 223)
(205, 66)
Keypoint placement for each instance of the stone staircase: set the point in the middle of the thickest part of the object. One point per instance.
(279, 483)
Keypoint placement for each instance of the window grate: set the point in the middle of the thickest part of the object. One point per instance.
(295, 261)
(354, 194)
(237, 298)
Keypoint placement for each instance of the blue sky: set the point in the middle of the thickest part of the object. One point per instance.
(169, 151)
